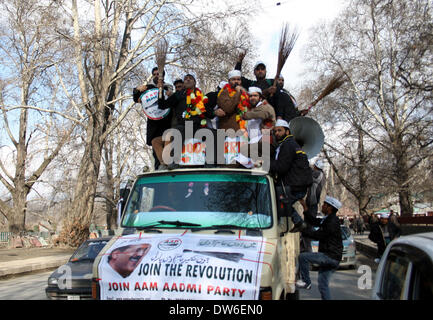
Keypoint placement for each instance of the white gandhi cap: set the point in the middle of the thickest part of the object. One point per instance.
(281, 123)
(234, 73)
(254, 89)
(319, 164)
(333, 202)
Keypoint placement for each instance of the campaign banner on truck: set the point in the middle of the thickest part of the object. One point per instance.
(193, 153)
(232, 151)
(182, 267)
(149, 102)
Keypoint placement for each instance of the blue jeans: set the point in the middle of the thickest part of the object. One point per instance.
(327, 267)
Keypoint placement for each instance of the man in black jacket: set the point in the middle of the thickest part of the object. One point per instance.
(178, 104)
(292, 171)
(155, 128)
(286, 107)
(330, 248)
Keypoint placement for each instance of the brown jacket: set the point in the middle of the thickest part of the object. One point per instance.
(229, 105)
(264, 111)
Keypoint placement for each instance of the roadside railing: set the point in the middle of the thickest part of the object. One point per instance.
(5, 236)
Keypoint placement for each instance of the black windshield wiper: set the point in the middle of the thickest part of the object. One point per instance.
(224, 226)
(227, 226)
(176, 223)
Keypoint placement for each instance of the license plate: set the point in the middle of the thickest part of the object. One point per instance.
(73, 297)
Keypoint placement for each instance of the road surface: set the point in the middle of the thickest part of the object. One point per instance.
(27, 287)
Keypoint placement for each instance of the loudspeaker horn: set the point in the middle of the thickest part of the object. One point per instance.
(308, 134)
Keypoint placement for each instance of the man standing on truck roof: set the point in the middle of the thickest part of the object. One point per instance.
(190, 107)
(260, 121)
(287, 108)
(233, 102)
(292, 170)
(155, 128)
(330, 248)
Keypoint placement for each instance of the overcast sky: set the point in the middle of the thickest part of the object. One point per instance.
(302, 14)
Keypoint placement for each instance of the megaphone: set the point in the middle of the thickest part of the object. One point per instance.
(308, 134)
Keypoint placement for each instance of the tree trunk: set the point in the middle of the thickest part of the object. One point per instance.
(406, 207)
(17, 214)
(363, 201)
(110, 206)
(402, 173)
(79, 217)
(17, 219)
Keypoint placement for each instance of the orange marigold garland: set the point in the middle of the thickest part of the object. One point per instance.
(195, 105)
(243, 105)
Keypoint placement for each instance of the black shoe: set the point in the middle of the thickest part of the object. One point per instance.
(299, 227)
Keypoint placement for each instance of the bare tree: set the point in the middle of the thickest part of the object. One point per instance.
(27, 53)
(384, 49)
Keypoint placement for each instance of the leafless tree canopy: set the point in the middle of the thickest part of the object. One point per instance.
(384, 49)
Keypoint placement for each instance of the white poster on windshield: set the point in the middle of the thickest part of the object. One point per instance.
(185, 267)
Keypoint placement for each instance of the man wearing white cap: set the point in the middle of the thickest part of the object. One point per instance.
(314, 193)
(292, 171)
(260, 116)
(260, 121)
(330, 248)
(232, 100)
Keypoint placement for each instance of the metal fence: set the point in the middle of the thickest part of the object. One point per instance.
(5, 236)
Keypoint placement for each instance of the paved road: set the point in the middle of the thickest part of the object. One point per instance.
(344, 282)
(27, 287)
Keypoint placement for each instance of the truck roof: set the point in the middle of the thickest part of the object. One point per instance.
(195, 169)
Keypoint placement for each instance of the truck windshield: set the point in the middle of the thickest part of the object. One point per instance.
(200, 201)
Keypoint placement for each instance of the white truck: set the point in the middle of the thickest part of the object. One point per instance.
(200, 233)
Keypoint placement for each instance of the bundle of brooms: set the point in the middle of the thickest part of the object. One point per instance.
(161, 50)
(288, 40)
(335, 83)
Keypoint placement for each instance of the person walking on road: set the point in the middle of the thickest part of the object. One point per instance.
(359, 225)
(330, 248)
(379, 234)
(393, 226)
